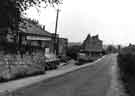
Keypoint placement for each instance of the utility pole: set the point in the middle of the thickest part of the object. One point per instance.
(55, 36)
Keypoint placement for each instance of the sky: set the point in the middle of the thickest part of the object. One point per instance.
(113, 20)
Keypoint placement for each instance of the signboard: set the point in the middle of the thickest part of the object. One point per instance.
(37, 38)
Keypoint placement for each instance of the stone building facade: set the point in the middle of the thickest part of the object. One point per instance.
(92, 45)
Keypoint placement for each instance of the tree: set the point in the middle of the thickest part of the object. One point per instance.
(10, 10)
(25, 4)
(73, 51)
(111, 49)
(9, 14)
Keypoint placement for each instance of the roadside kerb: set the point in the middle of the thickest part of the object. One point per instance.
(11, 88)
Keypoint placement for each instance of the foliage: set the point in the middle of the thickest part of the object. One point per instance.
(126, 65)
(25, 4)
(73, 51)
(111, 49)
(126, 62)
(9, 14)
(11, 10)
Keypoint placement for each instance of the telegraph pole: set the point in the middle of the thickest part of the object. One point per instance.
(55, 36)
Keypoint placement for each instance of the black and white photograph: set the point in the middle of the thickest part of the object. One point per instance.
(67, 48)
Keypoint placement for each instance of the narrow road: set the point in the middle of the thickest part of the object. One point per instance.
(93, 80)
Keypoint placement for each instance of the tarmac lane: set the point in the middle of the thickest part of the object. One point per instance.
(93, 80)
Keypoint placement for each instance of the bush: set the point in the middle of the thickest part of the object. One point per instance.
(126, 62)
(73, 51)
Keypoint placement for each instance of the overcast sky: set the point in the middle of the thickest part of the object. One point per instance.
(113, 20)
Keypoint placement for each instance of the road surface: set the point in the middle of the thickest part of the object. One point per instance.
(93, 80)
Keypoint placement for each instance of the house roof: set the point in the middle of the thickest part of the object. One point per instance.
(92, 44)
(34, 29)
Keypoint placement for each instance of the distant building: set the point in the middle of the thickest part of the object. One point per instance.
(92, 45)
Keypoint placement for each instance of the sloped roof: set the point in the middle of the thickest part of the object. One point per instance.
(92, 44)
(87, 38)
(28, 27)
